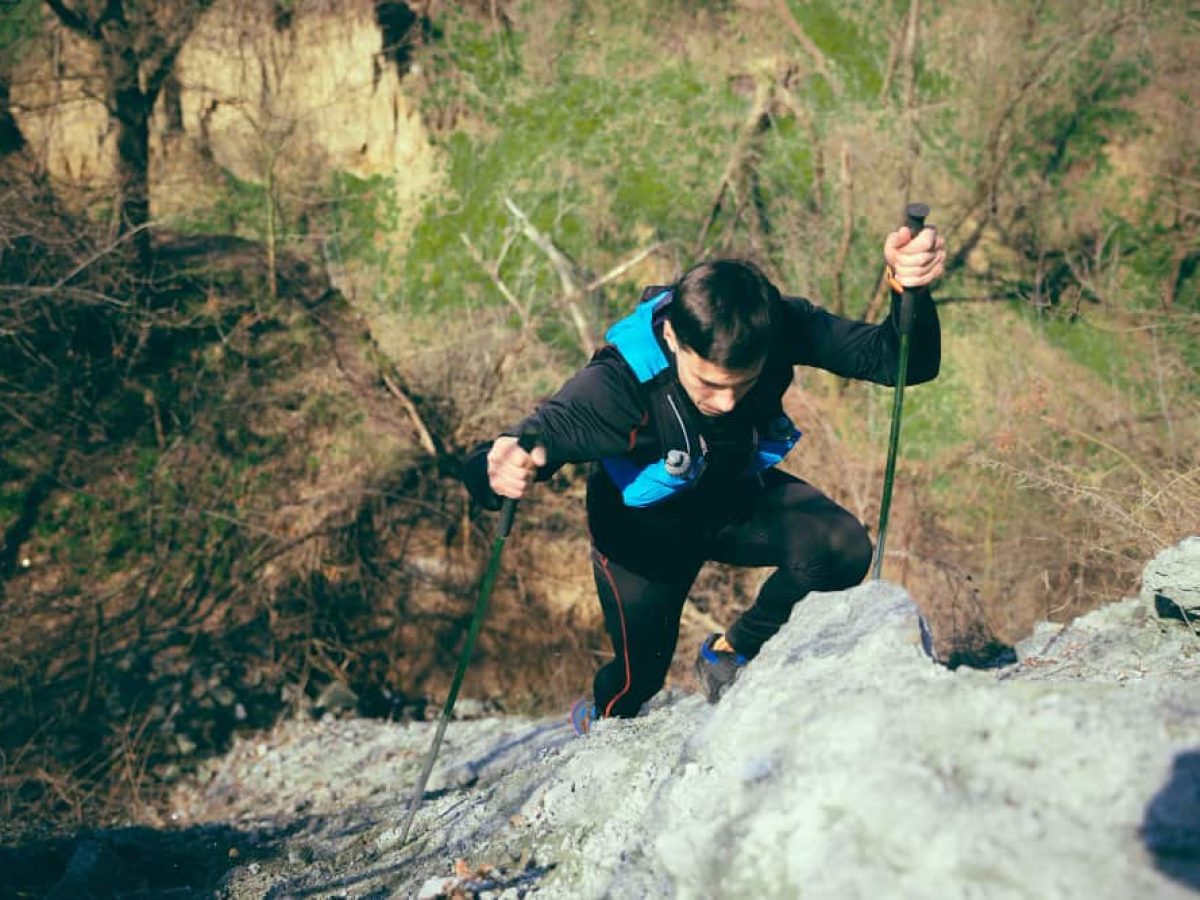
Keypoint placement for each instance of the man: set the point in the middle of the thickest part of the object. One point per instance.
(682, 413)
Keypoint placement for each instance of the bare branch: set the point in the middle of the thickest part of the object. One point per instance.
(572, 292)
(912, 146)
(102, 252)
(493, 271)
(620, 269)
(90, 296)
(562, 265)
(843, 252)
(423, 433)
(890, 69)
(1061, 51)
(754, 123)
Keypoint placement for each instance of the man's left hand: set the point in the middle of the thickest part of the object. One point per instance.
(915, 261)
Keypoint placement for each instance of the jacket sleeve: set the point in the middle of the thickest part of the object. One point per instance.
(853, 349)
(594, 415)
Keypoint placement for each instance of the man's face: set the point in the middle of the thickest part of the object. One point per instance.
(714, 389)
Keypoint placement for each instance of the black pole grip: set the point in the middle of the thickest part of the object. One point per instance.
(914, 217)
(527, 440)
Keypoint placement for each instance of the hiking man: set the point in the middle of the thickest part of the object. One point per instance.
(681, 414)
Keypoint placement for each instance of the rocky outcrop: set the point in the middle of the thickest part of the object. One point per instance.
(844, 763)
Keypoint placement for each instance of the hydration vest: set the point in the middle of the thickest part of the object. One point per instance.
(685, 453)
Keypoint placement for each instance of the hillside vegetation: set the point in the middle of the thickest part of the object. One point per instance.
(234, 405)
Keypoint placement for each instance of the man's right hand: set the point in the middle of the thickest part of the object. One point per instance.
(510, 469)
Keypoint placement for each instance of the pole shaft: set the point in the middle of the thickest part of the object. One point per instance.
(527, 441)
(431, 757)
(914, 216)
(889, 474)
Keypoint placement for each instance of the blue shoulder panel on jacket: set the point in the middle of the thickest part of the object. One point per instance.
(634, 337)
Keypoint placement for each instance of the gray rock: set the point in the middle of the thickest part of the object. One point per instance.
(843, 763)
(1171, 581)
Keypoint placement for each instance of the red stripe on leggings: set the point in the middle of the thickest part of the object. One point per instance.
(624, 635)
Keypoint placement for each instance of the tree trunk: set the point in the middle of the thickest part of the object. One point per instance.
(11, 139)
(132, 109)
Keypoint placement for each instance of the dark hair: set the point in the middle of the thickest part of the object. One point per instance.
(723, 310)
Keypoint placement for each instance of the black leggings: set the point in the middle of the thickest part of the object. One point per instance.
(814, 543)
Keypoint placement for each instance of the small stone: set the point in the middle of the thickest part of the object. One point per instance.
(300, 856)
(224, 696)
(387, 839)
(336, 696)
(436, 887)
(469, 709)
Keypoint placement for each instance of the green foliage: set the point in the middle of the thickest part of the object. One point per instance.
(1075, 131)
(556, 149)
(239, 209)
(359, 212)
(352, 215)
(1105, 353)
(938, 416)
(20, 23)
(853, 40)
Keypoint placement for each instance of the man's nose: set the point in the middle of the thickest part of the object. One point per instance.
(724, 401)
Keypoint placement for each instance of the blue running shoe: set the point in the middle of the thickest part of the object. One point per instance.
(716, 670)
(582, 713)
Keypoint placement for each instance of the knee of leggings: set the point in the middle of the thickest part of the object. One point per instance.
(850, 552)
(843, 557)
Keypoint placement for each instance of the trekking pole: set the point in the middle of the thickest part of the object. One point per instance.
(527, 441)
(914, 215)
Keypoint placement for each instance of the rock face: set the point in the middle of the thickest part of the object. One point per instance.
(842, 764)
(256, 101)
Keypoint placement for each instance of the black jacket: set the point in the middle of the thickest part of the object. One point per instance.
(602, 410)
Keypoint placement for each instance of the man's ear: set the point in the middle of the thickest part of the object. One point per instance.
(669, 334)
